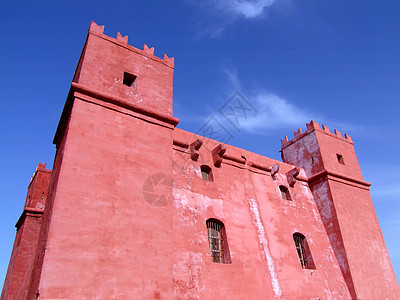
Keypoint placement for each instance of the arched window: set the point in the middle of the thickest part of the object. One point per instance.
(285, 193)
(218, 242)
(303, 251)
(206, 173)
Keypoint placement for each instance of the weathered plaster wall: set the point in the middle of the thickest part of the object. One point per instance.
(126, 211)
(259, 225)
(28, 227)
(346, 209)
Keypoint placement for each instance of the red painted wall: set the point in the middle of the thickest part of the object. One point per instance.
(28, 227)
(346, 209)
(127, 207)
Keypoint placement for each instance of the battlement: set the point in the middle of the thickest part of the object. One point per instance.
(40, 167)
(113, 67)
(113, 73)
(123, 41)
(314, 126)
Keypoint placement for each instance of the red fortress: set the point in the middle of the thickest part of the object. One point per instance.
(136, 208)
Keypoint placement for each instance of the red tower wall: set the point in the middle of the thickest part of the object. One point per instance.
(127, 207)
(28, 227)
(129, 213)
(346, 209)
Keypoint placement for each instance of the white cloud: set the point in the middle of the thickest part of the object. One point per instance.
(233, 82)
(273, 111)
(388, 192)
(245, 8)
(222, 13)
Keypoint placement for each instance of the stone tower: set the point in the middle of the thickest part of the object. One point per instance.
(26, 240)
(116, 127)
(139, 209)
(346, 208)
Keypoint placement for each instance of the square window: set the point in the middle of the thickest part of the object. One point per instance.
(340, 158)
(129, 79)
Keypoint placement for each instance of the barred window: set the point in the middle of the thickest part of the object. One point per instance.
(285, 193)
(218, 242)
(303, 251)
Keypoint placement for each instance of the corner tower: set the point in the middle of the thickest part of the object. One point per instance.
(26, 240)
(346, 209)
(115, 131)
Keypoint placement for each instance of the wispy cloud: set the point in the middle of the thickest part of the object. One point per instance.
(384, 178)
(273, 111)
(249, 9)
(222, 13)
(388, 193)
(232, 80)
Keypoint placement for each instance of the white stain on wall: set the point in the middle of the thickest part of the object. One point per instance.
(264, 243)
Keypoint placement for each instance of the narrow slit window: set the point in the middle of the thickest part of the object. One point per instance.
(129, 79)
(285, 193)
(218, 242)
(206, 173)
(340, 158)
(303, 251)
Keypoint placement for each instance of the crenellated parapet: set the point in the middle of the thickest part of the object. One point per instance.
(123, 41)
(314, 126)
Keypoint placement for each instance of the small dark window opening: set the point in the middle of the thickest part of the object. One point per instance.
(42, 196)
(129, 79)
(285, 193)
(218, 242)
(206, 173)
(303, 251)
(340, 159)
(312, 160)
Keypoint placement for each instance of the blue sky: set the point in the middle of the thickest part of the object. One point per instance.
(337, 62)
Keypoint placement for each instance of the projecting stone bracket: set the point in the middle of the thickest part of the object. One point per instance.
(292, 175)
(274, 169)
(218, 155)
(194, 149)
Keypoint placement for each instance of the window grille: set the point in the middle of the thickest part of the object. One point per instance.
(285, 193)
(303, 251)
(218, 243)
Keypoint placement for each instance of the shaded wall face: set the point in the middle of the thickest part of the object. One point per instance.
(102, 230)
(26, 240)
(369, 261)
(38, 189)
